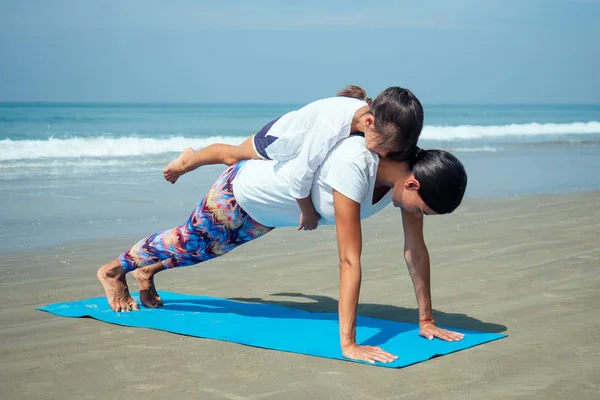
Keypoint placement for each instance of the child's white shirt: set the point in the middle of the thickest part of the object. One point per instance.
(305, 137)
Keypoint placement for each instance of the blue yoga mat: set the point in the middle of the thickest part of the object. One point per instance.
(271, 327)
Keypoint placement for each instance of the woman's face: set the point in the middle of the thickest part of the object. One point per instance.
(407, 197)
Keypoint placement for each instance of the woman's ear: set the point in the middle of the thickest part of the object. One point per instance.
(412, 184)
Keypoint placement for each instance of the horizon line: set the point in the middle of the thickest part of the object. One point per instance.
(96, 102)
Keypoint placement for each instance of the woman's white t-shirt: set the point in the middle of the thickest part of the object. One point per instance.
(262, 187)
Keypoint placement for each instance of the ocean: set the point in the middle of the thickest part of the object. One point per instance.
(84, 172)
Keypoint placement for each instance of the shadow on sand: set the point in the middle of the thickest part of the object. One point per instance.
(325, 304)
(325, 308)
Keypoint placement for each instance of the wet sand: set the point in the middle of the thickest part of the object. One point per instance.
(528, 266)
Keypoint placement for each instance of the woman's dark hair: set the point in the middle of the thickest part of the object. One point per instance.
(442, 178)
(398, 118)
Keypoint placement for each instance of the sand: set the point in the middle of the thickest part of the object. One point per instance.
(526, 266)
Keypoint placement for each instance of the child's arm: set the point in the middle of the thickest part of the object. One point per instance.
(216, 153)
(317, 143)
(315, 147)
(309, 218)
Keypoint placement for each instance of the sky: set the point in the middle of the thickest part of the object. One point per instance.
(446, 52)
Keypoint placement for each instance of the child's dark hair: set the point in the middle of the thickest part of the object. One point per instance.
(398, 118)
(442, 178)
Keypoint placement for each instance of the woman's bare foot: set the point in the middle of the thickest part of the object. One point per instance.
(178, 166)
(148, 294)
(112, 278)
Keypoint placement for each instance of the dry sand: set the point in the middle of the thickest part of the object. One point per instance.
(525, 266)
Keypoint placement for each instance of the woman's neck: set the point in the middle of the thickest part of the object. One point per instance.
(389, 172)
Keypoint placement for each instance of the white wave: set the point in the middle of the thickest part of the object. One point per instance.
(77, 147)
(534, 129)
(103, 147)
(81, 163)
(484, 149)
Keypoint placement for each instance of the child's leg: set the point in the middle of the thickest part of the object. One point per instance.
(244, 151)
(216, 153)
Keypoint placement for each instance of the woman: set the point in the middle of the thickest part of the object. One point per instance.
(251, 198)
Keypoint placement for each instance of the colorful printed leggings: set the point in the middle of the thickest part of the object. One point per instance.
(217, 226)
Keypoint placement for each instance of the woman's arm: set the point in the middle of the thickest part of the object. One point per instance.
(417, 260)
(416, 256)
(349, 236)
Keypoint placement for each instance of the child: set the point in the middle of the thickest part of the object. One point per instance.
(391, 123)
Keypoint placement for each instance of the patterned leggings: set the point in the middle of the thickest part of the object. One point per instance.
(217, 226)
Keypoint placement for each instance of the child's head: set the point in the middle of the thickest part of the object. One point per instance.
(395, 120)
(436, 186)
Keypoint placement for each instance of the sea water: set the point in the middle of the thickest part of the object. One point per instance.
(72, 172)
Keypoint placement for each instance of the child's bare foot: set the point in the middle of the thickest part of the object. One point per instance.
(178, 166)
(112, 278)
(148, 294)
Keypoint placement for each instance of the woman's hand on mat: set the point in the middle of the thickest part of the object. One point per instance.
(429, 331)
(309, 221)
(369, 354)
